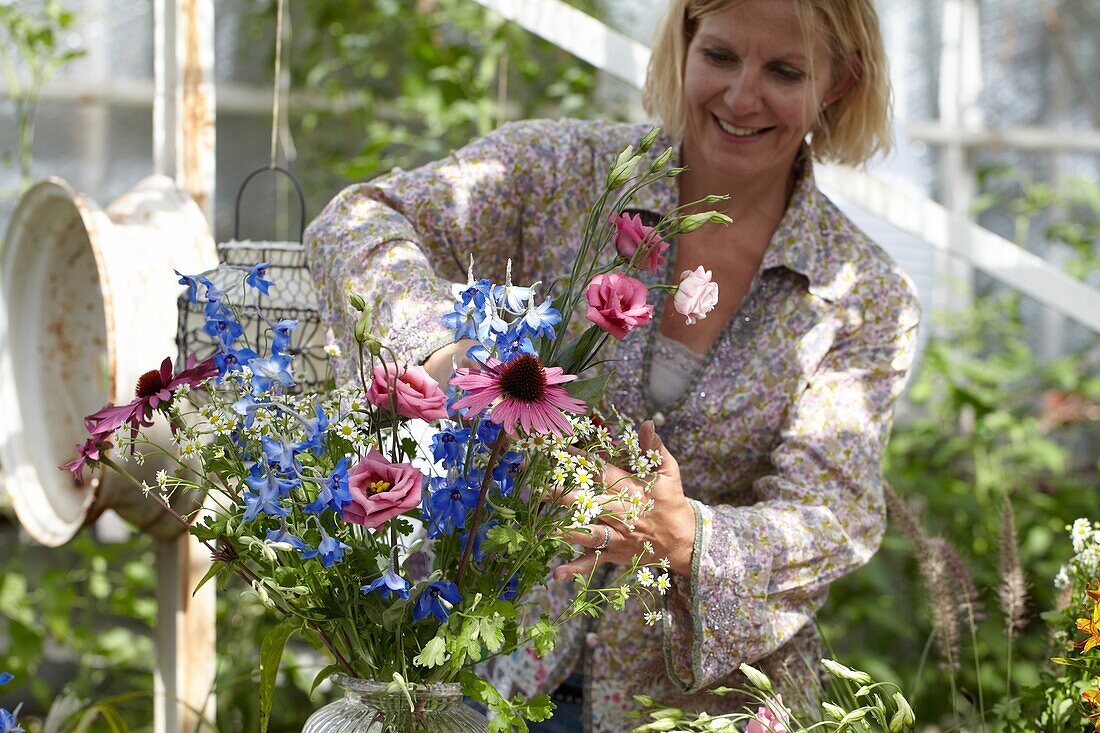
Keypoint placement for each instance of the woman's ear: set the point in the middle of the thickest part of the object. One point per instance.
(849, 73)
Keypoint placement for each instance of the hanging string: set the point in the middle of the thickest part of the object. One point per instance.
(278, 80)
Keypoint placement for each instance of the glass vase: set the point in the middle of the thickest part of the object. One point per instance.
(370, 707)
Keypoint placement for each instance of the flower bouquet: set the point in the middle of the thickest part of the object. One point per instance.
(407, 555)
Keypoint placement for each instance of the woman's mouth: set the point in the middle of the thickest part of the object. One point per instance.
(741, 132)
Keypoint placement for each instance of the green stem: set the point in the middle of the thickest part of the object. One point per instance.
(498, 448)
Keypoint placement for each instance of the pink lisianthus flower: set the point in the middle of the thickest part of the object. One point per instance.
(381, 490)
(697, 294)
(617, 303)
(526, 393)
(410, 390)
(771, 717)
(630, 233)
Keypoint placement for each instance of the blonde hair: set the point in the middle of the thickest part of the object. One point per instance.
(852, 130)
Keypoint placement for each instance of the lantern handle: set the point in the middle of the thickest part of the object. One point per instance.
(297, 187)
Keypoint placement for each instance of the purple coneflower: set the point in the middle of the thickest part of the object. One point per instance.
(154, 391)
(529, 394)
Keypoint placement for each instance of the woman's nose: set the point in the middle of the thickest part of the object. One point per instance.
(743, 96)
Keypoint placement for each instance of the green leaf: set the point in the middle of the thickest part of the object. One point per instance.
(323, 675)
(589, 390)
(215, 568)
(271, 653)
(393, 616)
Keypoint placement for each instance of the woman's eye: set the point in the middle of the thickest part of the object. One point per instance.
(717, 57)
(788, 73)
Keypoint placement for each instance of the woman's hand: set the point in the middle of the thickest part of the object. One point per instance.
(444, 361)
(669, 526)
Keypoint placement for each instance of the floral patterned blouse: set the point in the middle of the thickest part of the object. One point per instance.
(779, 435)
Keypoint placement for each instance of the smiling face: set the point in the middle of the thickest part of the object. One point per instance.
(748, 95)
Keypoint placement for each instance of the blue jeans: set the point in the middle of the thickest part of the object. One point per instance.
(569, 710)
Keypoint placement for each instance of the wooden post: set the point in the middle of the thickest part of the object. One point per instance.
(183, 148)
(960, 86)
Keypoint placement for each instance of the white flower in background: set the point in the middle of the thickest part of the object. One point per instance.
(652, 617)
(1080, 533)
(332, 350)
(189, 448)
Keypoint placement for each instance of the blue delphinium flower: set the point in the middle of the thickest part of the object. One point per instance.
(540, 320)
(449, 446)
(232, 360)
(265, 372)
(315, 433)
(226, 330)
(489, 323)
(463, 320)
(280, 340)
(269, 489)
(513, 343)
(255, 278)
(504, 473)
(215, 307)
(334, 493)
(8, 719)
(511, 297)
(487, 433)
(279, 453)
(247, 406)
(511, 588)
(448, 504)
(480, 536)
(330, 550)
(192, 286)
(283, 535)
(389, 584)
(437, 599)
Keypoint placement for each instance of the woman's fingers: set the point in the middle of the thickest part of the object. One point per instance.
(582, 565)
(593, 536)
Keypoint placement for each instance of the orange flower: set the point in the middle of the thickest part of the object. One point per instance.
(1090, 626)
(1092, 699)
(1094, 593)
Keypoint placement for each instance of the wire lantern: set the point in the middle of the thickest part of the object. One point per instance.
(292, 296)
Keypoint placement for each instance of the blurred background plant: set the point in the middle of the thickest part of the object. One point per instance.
(32, 50)
(990, 430)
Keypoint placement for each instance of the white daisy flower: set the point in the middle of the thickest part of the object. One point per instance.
(645, 578)
(663, 583)
(652, 617)
(1080, 533)
(583, 478)
(189, 448)
(162, 478)
(332, 350)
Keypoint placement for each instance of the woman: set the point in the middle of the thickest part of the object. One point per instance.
(774, 410)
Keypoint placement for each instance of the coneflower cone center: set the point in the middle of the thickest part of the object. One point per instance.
(524, 379)
(148, 384)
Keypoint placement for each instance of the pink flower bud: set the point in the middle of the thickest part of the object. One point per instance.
(630, 232)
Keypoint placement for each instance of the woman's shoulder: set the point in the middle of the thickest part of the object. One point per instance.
(868, 272)
(561, 136)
